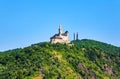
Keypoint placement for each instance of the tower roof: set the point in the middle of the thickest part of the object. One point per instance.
(60, 26)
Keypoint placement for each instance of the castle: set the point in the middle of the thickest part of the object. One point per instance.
(60, 37)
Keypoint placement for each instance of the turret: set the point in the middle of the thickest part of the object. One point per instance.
(66, 33)
(74, 36)
(77, 36)
(60, 29)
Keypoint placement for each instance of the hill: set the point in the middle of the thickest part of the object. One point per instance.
(108, 48)
(84, 59)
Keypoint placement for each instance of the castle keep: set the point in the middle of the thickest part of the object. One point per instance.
(60, 37)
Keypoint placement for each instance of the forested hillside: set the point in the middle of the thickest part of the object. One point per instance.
(96, 44)
(82, 59)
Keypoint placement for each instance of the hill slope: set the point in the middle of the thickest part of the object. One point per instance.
(86, 59)
(96, 44)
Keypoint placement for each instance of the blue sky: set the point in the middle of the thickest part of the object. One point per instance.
(25, 22)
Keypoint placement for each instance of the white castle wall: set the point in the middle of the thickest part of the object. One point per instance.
(60, 38)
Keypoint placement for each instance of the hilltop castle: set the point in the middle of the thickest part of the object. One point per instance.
(60, 37)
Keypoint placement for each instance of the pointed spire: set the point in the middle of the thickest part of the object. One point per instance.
(77, 36)
(60, 29)
(60, 26)
(74, 36)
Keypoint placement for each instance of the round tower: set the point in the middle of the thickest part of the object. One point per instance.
(60, 29)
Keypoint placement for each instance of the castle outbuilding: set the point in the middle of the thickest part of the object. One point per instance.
(60, 37)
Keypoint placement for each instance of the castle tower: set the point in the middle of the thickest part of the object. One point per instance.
(74, 36)
(60, 29)
(77, 36)
(60, 37)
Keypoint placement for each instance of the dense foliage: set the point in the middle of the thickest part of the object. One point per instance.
(82, 59)
(108, 48)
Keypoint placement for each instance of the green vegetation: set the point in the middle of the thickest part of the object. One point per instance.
(85, 59)
(108, 48)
